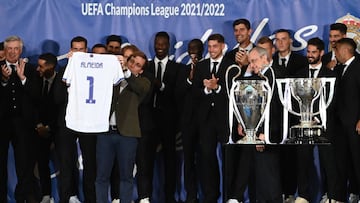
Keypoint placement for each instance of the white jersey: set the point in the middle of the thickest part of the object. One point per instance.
(90, 78)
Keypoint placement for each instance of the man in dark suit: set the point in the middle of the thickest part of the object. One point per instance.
(347, 113)
(66, 146)
(187, 122)
(288, 63)
(210, 91)
(267, 157)
(164, 114)
(263, 160)
(242, 33)
(337, 32)
(19, 95)
(306, 167)
(46, 124)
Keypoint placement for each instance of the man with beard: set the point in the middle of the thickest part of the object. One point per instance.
(337, 32)
(305, 164)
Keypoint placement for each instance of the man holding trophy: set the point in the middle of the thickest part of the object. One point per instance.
(266, 158)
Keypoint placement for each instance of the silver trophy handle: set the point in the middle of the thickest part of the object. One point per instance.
(228, 91)
(266, 115)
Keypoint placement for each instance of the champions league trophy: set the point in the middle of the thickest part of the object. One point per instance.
(249, 101)
(309, 93)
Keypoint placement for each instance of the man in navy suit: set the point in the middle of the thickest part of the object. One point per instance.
(210, 90)
(19, 96)
(347, 131)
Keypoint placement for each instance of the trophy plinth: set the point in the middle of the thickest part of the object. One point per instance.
(307, 135)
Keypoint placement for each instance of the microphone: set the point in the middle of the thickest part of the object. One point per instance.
(26, 60)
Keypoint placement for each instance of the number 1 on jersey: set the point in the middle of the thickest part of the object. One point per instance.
(91, 100)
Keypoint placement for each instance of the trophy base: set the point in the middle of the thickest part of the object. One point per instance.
(307, 135)
(250, 140)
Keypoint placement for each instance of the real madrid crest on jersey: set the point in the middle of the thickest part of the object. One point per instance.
(353, 28)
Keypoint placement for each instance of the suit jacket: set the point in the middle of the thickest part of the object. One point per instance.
(126, 105)
(145, 109)
(296, 63)
(327, 57)
(48, 113)
(214, 103)
(185, 101)
(60, 97)
(166, 97)
(26, 96)
(348, 96)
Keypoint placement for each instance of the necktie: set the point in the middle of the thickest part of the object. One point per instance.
(312, 72)
(158, 73)
(283, 62)
(213, 70)
(13, 71)
(340, 69)
(46, 88)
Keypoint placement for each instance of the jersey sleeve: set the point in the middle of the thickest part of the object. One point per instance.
(67, 77)
(118, 73)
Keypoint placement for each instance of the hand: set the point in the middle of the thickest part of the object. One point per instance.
(241, 58)
(157, 84)
(69, 55)
(121, 60)
(6, 72)
(358, 127)
(20, 68)
(331, 64)
(211, 84)
(240, 130)
(191, 74)
(260, 148)
(43, 131)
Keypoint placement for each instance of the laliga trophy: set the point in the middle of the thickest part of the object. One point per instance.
(249, 101)
(308, 92)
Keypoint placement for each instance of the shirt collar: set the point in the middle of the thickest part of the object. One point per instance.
(248, 48)
(163, 61)
(217, 60)
(51, 79)
(317, 67)
(349, 61)
(287, 57)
